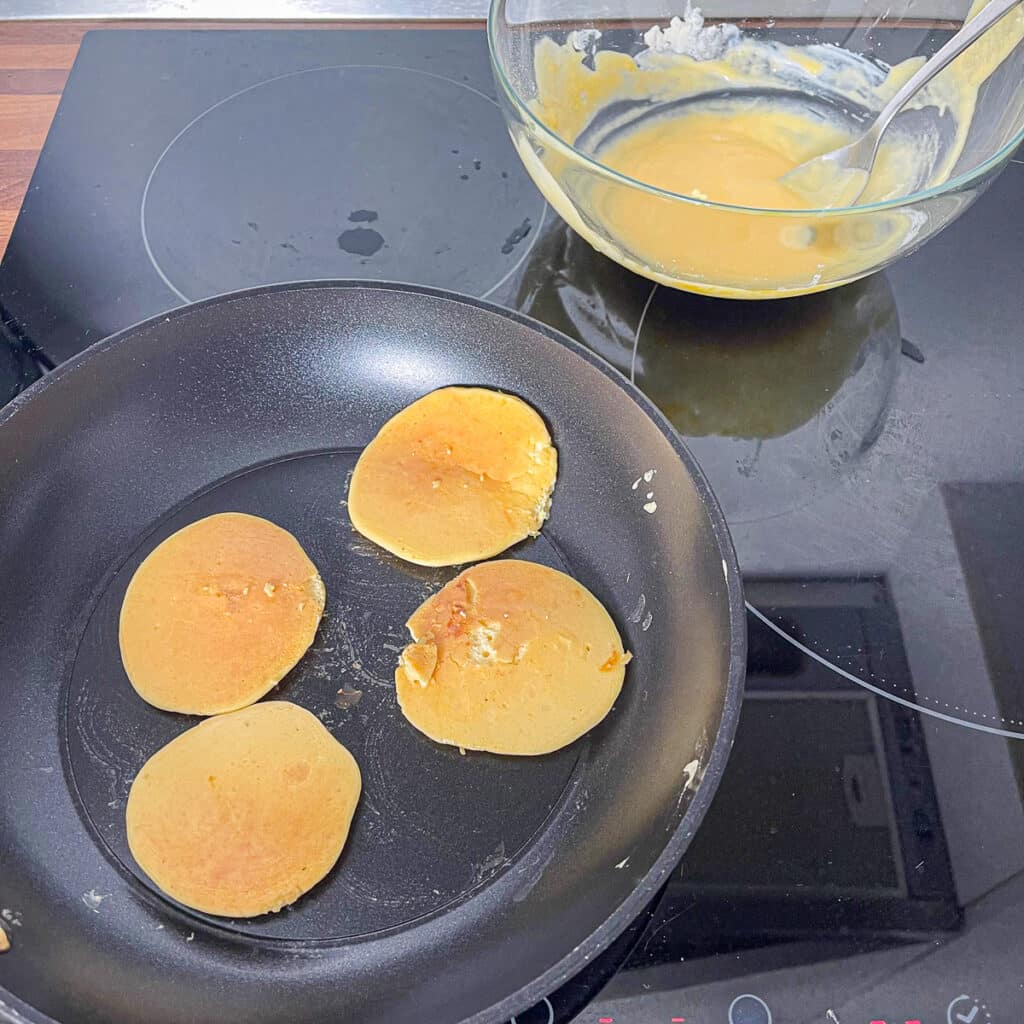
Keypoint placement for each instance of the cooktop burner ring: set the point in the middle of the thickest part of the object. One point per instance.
(546, 1003)
(881, 692)
(794, 444)
(281, 254)
(875, 396)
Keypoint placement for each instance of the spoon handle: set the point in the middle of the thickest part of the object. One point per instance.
(992, 12)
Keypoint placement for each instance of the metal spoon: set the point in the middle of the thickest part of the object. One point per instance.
(842, 174)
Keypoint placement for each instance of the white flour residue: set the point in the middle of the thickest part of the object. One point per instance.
(650, 506)
(689, 36)
(583, 40)
(644, 478)
(92, 899)
(638, 612)
(694, 773)
(621, 864)
(489, 865)
(12, 917)
(646, 624)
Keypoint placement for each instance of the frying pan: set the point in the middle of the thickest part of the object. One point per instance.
(471, 885)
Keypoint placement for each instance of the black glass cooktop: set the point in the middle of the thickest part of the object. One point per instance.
(864, 858)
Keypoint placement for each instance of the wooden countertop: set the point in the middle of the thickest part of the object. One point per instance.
(34, 63)
(35, 59)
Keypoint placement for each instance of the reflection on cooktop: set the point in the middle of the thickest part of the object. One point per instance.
(827, 823)
(778, 400)
(274, 157)
(340, 172)
(988, 523)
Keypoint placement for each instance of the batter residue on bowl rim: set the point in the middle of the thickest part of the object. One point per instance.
(719, 117)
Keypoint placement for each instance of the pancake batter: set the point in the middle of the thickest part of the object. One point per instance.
(702, 114)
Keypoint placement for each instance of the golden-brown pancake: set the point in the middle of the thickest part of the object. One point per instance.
(459, 475)
(245, 812)
(510, 657)
(218, 614)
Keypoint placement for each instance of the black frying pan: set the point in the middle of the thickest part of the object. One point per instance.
(471, 885)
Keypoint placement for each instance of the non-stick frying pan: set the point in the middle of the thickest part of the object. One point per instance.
(471, 885)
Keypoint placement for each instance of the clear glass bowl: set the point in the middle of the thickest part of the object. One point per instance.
(573, 76)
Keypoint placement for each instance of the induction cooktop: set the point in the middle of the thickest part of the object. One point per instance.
(864, 857)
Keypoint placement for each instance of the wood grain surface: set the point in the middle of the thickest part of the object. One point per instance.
(35, 59)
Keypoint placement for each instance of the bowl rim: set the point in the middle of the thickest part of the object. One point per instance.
(961, 181)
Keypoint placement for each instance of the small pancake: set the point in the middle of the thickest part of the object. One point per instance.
(510, 657)
(459, 475)
(218, 614)
(245, 812)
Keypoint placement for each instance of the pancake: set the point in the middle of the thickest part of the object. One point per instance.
(218, 614)
(245, 812)
(512, 658)
(459, 475)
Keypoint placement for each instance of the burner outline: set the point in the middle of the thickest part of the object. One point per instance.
(551, 1012)
(151, 256)
(877, 690)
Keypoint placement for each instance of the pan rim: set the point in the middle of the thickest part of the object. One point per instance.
(627, 911)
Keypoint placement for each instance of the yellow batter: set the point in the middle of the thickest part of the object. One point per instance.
(510, 657)
(725, 230)
(242, 814)
(459, 475)
(735, 154)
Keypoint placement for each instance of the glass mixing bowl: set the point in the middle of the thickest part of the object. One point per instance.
(575, 77)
